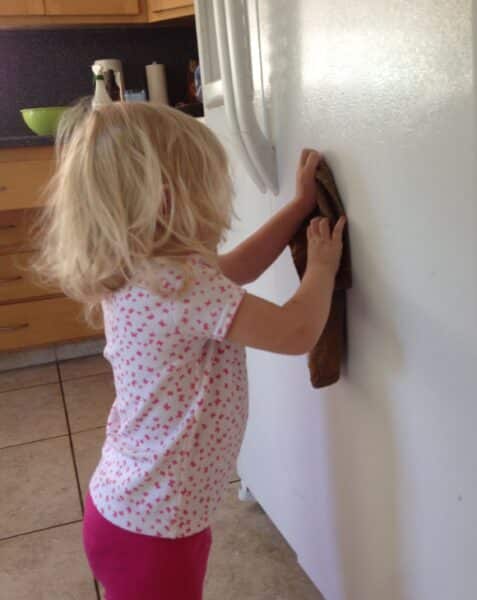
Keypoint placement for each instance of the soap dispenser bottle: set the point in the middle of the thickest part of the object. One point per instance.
(101, 96)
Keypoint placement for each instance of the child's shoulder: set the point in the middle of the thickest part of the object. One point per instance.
(195, 298)
(194, 268)
(200, 267)
(171, 281)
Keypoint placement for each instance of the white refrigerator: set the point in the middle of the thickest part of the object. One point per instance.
(372, 481)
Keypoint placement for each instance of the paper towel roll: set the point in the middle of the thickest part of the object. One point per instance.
(156, 83)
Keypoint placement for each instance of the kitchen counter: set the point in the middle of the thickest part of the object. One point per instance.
(26, 141)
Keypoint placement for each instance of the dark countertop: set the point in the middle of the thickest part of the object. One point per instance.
(22, 141)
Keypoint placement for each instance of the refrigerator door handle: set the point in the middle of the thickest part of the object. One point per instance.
(259, 147)
(212, 89)
(219, 91)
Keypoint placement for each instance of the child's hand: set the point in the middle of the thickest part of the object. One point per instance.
(305, 180)
(325, 248)
(295, 327)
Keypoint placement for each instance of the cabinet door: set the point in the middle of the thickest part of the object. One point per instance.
(92, 7)
(18, 282)
(21, 7)
(158, 5)
(16, 231)
(29, 324)
(21, 182)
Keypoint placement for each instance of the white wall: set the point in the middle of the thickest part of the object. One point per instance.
(373, 480)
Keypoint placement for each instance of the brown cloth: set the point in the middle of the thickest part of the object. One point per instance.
(324, 361)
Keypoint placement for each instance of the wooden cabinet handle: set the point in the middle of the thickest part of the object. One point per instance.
(9, 226)
(3, 188)
(7, 328)
(4, 280)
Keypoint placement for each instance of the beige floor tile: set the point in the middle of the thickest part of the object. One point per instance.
(38, 487)
(89, 401)
(82, 367)
(87, 448)
(30, 414)
(28, 376)
(251, 559)
(46, 565)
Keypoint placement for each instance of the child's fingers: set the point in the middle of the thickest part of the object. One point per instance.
(309, 232)
(314, 222)
(312, 161)
(309, 159)
(304, 155)
(325, 228)
(313, 229)
(338, 229)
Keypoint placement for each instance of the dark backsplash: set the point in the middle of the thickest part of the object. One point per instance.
(53, 67)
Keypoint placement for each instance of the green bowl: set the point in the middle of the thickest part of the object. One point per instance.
(43, 121)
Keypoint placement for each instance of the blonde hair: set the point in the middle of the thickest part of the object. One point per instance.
(135, 184)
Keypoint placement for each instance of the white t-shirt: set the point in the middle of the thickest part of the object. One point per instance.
(178, 419)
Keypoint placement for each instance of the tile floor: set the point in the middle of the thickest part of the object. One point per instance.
(52, 421)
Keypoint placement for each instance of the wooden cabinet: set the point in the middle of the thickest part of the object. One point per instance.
(42, 322)
(92, 7)
(22, 181)
(48, 13)
(30, 314)
(15, 231)
(17, 282)
(41, 13)
(162, 10)
(158, 5)
(21, 7)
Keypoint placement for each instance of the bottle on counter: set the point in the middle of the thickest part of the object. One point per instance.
(111, 86)
(198, 84)
(191, 94)
(193, 105)
(101, 96)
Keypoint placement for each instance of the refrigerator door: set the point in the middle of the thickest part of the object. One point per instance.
(373, 481)
(225, 52)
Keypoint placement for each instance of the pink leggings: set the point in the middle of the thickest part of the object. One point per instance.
(132, 565)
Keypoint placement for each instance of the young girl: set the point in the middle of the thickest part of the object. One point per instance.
(137, 208)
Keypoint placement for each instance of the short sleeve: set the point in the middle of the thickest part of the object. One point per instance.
(209, 304)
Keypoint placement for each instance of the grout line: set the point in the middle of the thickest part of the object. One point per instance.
(11, 537)
(29, 387)
(96, 587)
(53, 437)
(76, 377)
(56, 381)
(89, 429)
(75, 466)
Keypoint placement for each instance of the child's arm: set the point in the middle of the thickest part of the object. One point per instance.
(254, 255)
(295, 327)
